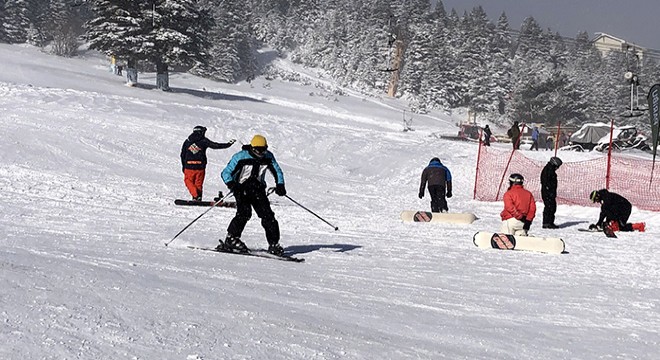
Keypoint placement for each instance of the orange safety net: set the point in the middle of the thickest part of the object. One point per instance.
(629, 177)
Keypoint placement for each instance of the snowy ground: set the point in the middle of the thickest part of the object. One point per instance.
(89, 171)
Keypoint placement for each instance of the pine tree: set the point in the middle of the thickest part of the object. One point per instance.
(176, 36)
(3, 20)
(16, 20)
(232, 53)
(118, 30)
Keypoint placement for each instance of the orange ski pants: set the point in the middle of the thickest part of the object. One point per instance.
(194, 180)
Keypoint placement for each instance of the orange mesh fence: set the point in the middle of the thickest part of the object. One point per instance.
(629, 177)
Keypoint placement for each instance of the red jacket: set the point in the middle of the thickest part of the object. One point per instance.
(518, 203)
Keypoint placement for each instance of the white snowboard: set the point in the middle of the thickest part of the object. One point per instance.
(491, 240)
(427, 216)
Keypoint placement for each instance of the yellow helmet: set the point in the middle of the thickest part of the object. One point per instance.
(258, 141)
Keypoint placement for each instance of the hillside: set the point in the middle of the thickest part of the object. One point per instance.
(90, 169)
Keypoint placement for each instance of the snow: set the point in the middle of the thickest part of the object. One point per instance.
(90, 169)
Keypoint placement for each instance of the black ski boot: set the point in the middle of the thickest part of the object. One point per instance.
(235, 244)
(220, 196)
(276, 249)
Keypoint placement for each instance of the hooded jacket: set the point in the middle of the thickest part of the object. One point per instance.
(435, 174)
(193, 151)
(519, 203)
(244, 167)
(613, 207)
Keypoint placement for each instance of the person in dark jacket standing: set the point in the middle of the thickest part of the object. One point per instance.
(549, 192)
(193, 159)
(438, 178)
(487, 135)
(614, 212)
(514, 134)
(244, 175)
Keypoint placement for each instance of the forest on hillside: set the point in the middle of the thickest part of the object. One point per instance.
(448, 61)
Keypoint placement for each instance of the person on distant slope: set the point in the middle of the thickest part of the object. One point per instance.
(549, 192)
(487, 135)
(614, 212)
(535, 139)
(514, 134)
(438, 178)
(193, 159)
(519, 208)
(244, 176)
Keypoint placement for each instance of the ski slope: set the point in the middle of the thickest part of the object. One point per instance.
(90, 169)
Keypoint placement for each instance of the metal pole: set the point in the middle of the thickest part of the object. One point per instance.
(197, 218)
(311, 212)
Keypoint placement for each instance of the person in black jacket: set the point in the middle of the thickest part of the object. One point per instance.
(487, 135)
(614, 211)
(514, 134)
(438, 178)
(549, 192)
(193, 159)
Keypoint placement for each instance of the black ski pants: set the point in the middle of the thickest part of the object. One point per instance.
(438, 200)
(549, 209)
(248, 197)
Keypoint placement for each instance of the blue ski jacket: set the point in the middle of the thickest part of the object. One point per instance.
(244, 166)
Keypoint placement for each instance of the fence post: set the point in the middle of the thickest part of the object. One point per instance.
(609, 157)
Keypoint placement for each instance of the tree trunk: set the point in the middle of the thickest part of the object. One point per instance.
(131, 72)
(162, 76)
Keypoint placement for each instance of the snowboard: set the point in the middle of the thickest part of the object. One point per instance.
(434, 217)
(262, 253)
(491, 240)
(607, 231)
(229, 204)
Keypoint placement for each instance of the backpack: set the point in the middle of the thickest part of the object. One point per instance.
(509, 133)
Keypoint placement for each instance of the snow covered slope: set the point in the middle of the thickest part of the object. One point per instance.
(89, 171)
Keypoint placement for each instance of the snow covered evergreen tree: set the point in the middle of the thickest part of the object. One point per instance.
(3, 20)
(232, 50)
(16, 20)
(177, 35)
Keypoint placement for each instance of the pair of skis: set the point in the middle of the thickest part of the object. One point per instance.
(262, 253)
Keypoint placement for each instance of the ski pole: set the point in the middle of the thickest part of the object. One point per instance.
(197, 218)
(311, 212)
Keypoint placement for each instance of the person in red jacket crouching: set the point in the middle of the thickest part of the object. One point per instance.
(519, 207)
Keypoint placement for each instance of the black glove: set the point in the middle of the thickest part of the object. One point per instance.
(595, 227)
(448, 194)
(280, 190)
(231, 185)
(421, 195)
(527, 224)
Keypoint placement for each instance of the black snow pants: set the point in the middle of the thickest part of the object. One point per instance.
(250, 196)
(438, 200)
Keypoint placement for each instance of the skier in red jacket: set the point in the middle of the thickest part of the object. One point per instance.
(519, 207)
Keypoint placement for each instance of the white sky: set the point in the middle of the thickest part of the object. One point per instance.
(90, 169)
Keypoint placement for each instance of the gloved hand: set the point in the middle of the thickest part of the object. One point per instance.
(231, 185)
(595, 227)
(448, 194)
(421, 195)
(527, 224)
(280, 190)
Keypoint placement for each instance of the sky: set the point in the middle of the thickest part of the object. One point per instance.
(90, 169)
(635, 21)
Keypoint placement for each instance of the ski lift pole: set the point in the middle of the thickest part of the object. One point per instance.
(197, 218)
(311, 212)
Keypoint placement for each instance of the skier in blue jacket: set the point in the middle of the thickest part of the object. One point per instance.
(244, 175)
(438, 178)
